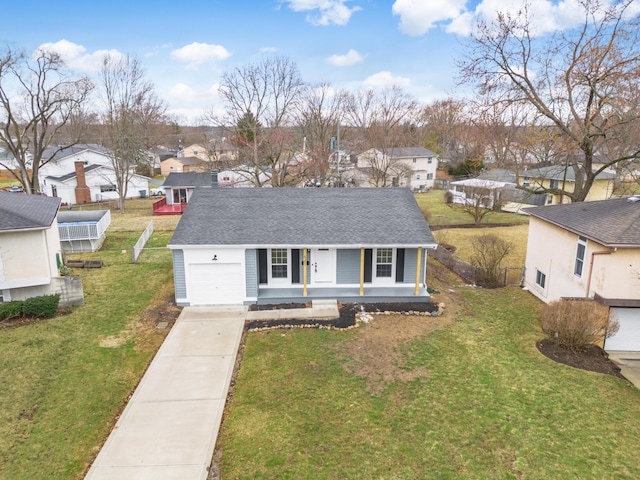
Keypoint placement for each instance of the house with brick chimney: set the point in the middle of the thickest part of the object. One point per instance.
(84, 174)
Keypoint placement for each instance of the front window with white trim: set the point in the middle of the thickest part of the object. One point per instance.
(279, 263)
(384, 263)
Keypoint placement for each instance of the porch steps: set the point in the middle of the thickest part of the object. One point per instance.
(320, 310)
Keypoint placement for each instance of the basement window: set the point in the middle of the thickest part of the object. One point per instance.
(541, 278)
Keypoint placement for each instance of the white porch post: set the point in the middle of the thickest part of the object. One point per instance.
(418, 263)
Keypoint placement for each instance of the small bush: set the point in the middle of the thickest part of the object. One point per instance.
(448, 197)
(45, 306)
(488, 253)
(10, 310)
(575, 323)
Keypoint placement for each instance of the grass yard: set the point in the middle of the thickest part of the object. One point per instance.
(477, 400)
(65, 380)
(442, 214)
(462, 238)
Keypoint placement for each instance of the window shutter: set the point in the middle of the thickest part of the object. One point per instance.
(263, 267)
(400, 265)
(295, 265)
(368, 262)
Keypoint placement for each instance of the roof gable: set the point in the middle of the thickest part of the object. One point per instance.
(20, 211)
(304, 217)
(613, 223)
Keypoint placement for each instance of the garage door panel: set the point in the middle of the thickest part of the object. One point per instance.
(215, 284)
(628, 337)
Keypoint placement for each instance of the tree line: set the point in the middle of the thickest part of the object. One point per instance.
(566, 98)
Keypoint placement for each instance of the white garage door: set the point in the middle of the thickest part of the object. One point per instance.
(215, 284)
(628, 337)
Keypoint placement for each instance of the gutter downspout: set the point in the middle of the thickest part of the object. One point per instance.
(593, 254)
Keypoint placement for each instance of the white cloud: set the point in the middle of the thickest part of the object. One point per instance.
(350, 58)
(384, 79)
(198, 53)
(417, 17)
(268, 50)
(75, 55)
(326, 12)
(186, 95)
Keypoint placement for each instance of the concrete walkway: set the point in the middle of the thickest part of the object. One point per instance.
(629, 363)
(168, 429)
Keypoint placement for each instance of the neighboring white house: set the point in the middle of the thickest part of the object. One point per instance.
(30, 253)
(91, 183)
(589, 250)
(413, 167)
(59, 175)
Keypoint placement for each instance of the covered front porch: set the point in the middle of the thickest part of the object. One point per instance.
(394, 294)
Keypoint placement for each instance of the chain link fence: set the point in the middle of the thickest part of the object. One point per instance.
(505, 276)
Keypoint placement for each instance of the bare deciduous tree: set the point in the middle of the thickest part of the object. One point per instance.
(131, 110)
(584, 80)
(488, 253)
(259, 101)
(318, 117)
(38, 98)
(380, 117)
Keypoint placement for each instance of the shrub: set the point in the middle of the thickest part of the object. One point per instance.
(448, 197)
(576, 323)
(45, 306)
(488, 253)
(10, 310)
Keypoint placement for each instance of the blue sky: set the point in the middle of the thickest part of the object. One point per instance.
(185, 46)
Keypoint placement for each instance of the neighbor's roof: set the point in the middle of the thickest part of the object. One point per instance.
(70, 175)
(19, 211)
(613, 223)
(187, 179)
(557, 172)
(187, 160)
(73, 150)
(411, 152)
(303, 217)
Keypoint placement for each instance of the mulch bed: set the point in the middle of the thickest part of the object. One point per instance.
(592, 358)
(347, 312)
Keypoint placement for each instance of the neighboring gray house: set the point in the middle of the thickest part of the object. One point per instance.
(178, 189)
(243, 246)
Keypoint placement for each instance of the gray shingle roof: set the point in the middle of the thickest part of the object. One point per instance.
(557, 172)
(20, 211)
(303, 217)
(72, 150)
(613, 223)
(70, 175)
(187, 179)
(410, 152)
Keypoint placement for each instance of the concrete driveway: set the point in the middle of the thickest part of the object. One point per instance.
(168, 429)
(629, 363)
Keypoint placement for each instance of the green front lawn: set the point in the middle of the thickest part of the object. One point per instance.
(65, 380)
(489, 406)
